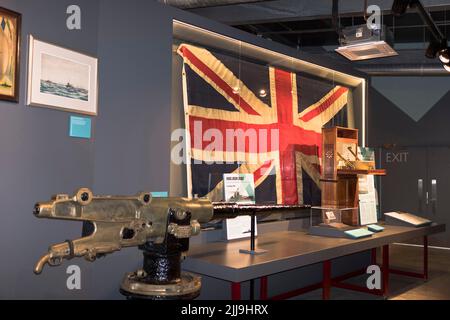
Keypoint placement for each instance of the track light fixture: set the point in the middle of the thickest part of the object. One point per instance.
(438, 45)
(436, 49)
(444, 55)
(442, 51)
(447, 67)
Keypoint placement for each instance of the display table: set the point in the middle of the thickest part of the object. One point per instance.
(289, 250)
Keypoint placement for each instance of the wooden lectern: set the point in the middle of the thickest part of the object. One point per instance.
(340, 170)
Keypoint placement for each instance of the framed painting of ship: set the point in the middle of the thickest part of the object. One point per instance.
(61, 78)
(10, 24)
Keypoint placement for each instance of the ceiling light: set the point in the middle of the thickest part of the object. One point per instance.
(262, 93)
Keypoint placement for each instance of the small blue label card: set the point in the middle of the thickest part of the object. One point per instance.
(160, 194)
(80, 127)
(375, 228)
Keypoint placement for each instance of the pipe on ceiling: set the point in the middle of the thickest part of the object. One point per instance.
(194, 4)
(403, 70)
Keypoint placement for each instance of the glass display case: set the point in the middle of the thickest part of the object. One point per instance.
(226, 94)
(328, 221)
(227, 101)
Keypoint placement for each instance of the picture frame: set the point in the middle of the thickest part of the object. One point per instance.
(10, 37)
(62, 79)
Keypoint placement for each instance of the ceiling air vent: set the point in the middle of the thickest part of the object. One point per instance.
(362, 43)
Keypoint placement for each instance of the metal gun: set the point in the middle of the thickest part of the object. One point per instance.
(161, 227)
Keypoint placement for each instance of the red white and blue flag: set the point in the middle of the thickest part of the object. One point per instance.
(270, 120)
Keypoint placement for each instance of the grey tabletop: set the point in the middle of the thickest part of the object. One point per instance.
(287, 250)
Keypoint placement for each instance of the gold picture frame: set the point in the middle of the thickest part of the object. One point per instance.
(10, 34)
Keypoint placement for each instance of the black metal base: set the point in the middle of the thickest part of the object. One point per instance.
(132, 296)
(161, 277)
(135, 286)
(162, 267)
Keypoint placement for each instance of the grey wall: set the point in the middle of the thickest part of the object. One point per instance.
(133, 128)
(132, 150)
(38, 159)
(413, 113)
(129, 150)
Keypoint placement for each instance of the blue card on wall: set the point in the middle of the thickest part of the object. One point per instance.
(80, 127)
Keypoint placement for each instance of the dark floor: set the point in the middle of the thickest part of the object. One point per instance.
(404, 288)
(438, 284)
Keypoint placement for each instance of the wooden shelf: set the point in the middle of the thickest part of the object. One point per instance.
(375, 172)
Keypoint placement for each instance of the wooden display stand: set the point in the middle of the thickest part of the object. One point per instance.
(339, 181)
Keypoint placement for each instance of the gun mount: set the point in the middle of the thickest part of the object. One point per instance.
(161, 227)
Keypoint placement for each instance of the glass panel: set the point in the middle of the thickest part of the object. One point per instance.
(251, 110)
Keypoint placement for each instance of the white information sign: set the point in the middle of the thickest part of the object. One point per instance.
(239, 188)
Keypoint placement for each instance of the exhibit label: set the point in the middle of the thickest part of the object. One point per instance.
(80, 127)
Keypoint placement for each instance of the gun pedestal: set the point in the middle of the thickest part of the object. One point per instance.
(161, 277)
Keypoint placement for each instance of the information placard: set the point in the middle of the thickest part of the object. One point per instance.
(238, 187)
(368, 213)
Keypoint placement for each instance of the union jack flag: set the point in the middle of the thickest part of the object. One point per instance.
(222, 93)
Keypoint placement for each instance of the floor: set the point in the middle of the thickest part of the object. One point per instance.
(405, 288)
(438, 284)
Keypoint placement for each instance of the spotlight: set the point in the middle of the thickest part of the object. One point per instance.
(262, 93)
(447, 66)
(444, 55)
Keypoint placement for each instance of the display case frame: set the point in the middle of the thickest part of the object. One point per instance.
(249, 48)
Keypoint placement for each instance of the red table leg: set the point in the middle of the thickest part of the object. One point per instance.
(385, 270)
(425, 257)
(235, 291)
(263, 288)
(373, 256)
(326, 281)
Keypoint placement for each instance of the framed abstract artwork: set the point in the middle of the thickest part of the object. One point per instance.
(10, 24)
(61, 78)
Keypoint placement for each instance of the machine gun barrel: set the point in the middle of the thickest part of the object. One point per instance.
(223, 210)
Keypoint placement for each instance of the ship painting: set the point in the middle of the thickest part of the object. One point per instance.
(64, 78)
(238, 197)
